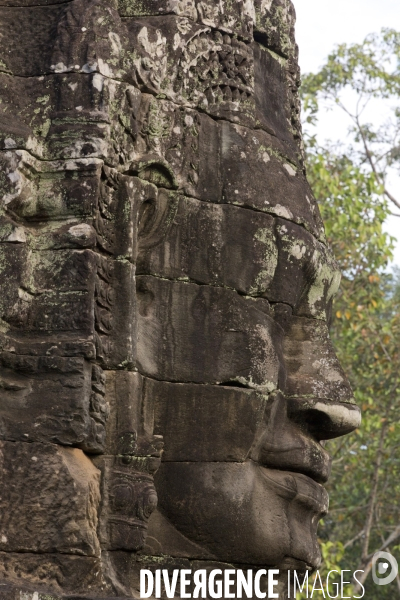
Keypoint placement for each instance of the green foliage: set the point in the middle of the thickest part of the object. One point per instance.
(365, 484)
(353, 211)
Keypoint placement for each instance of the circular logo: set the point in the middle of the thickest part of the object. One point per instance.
(384, 568)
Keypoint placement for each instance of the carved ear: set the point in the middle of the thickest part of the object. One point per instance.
(156, 214)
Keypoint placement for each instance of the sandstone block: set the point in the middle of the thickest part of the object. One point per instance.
(265, 181)
(39, 24)
(274, 26)
(231, 18)
(203, 244)
(49, 500)
(306, 276)
(204, 422)
(50, 576)
(204, 334)
(46, 399)
(130, 430)
(274, 115)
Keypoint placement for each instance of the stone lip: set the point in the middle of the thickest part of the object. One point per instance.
(301, 487)
(303, 456)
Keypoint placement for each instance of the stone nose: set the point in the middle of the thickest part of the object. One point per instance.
(313, 370)
(287, 443)
(318, 394)
(324, 419)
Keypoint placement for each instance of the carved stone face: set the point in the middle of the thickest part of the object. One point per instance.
(243, 463)
(165, 274)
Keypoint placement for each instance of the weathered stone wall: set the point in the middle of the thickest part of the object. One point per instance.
(164, 280)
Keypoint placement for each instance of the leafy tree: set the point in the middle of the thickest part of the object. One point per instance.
(371, 72)
(351, 184)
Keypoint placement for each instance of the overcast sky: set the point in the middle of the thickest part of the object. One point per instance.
(323, 23)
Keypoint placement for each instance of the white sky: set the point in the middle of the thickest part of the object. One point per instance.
(323, 23)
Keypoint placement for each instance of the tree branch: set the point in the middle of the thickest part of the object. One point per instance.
(374, 491)
(372, 164)
(392, 537)
(354, 539)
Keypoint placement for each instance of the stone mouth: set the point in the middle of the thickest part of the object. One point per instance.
(299, 488)
(304, 457)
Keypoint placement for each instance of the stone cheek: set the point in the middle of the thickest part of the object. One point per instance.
(189, 416)
(236, 338)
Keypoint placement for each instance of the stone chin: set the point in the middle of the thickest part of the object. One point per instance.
(244, 513)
